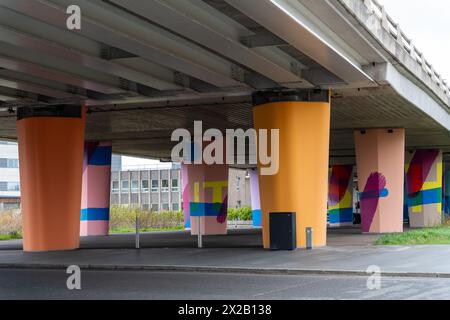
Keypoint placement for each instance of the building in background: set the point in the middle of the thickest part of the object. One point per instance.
(116, 162)
(238, 188)
(9, 176)
(155, 187)
(158, 187)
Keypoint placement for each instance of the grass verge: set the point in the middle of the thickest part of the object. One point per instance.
(4, 237)
(10, 236)
(435, 235)
(133, 230)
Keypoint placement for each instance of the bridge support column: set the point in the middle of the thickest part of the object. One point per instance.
(380, 158)
(340, 195)
(95, 197)
(51, 159)
(446, 191)
(424, 173)
(205, 198)
(301, 183)
(254, 196)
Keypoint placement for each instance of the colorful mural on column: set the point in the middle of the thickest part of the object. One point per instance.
(205, 196)
(446, 191)
(254, 195)
(380, 160)
(185, 196)
(95, 198)
(340, 195)
(424, 172)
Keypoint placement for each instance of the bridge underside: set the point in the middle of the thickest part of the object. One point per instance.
(145, 68)
(144, 129)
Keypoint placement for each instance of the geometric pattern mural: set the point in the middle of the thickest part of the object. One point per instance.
(340, 195)
(446, 191)
(205, 196)
(424, 171)
(254, 195)
(95, 196)
(380, 157)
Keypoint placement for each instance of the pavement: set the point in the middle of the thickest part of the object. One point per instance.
(197, 286)
(348, 253)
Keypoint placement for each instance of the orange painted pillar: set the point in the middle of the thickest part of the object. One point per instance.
(380, 162)
(51, 142)
(301, 183)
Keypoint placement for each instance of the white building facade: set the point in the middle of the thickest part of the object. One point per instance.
(9, 176)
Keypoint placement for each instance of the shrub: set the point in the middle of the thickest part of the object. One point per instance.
(122, 217)
(11, 222)
(243, 214)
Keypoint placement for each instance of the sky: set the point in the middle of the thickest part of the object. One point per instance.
(131, 162)
(427, 23)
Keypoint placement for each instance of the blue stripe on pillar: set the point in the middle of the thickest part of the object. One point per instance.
(340, 215)
(95, 214)
(256, 217)
(204, 209)
(101, 156)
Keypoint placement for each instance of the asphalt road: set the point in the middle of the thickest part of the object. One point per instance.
(51, 284)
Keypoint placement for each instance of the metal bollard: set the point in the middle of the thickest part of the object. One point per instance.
(137, 240)
(309, 238)
(199, 235)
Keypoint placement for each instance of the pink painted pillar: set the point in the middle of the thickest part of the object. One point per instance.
(205, 198)
(205, 195)
(254, 195)
(95, 199)
(380, 158)
(185, 196)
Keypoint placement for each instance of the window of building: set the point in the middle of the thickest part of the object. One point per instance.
(144, 185)
(13, 163)
(155, 185)
(14, 186)
(125, 185)
(11, 206)
(164, 185)
(175, 186)
(134, 186)
(238, 204)
(9, 186)
(145, 207)
(165, 207)
(238, 182)
(155, 207)
(115, 186)
(9, 163)
(175, 207)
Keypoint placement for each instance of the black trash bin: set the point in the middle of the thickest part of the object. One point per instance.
(283, 235)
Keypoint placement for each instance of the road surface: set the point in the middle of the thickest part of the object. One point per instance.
(51, 284)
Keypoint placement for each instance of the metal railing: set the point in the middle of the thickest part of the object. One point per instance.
(394, 29)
